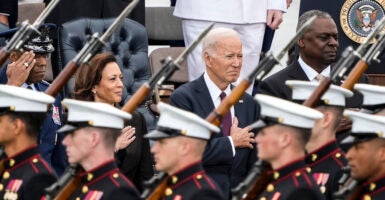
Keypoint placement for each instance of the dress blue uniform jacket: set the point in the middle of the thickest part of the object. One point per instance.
(105, 182)
(325, 164)
(373, 190)
(49, 141)
(25, 176)
(218, 161)
(191, 183)
(290, 182)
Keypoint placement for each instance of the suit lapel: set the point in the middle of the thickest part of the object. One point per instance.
(295, 72)
(201, 92)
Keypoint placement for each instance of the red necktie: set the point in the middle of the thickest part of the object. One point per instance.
(226, 120)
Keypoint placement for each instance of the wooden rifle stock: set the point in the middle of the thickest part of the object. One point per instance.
(139, 96)
(62, 79)
(355, 75)
(216, 115)
(315, 98)
(158, 193)
(69, 188)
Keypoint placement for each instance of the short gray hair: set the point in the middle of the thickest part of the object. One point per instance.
(214, 36)
(307, 15)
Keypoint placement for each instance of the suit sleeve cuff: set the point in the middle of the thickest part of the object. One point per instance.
(232, 145)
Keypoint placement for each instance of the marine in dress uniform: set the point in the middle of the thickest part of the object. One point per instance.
(49, 141)
(281, 143)
(325, 158)
(177, 130)
(25, 173)
(366, 156)
(91, 131)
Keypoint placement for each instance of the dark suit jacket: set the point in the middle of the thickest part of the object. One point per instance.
(333, 7)
(274, 85)
(218, 160)
(135, 161)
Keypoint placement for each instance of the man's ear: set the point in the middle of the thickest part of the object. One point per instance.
(300, 43)
(207, 58)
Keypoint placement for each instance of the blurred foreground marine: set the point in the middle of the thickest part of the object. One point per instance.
(281, 143)
(27, 70)
(180, 140)
(91, 132)
(24, 173)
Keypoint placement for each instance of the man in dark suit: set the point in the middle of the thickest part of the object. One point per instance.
(334, 8)
(317, 51)
(24, 173)
(27, 70)
(226, 159)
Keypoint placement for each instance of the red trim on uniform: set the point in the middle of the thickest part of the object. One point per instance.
(197, 183)
(45, 164)
(114, 181)
(188, 178)
(185, 167)
(377, 191)
(103, 176)
(338, 160)
(128, 181)
(210, 182)
(307, 179)
(295, 180)
(100, 166)
(33, 166)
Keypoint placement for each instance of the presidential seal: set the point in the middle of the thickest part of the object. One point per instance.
(359, 17)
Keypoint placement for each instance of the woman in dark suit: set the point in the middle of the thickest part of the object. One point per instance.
(100, 80)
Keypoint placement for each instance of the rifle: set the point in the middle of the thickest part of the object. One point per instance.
(24, 33)
(345, 64)
(259, 177)
(243, 190)
(155, 187)
(347, 186)
(61, 187)
(170, 66)
(87, 52)
(359, 69)
(165, 73)
(70, 181)
(263, 68)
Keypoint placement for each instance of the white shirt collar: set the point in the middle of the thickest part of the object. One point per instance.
(25, 85)
(310, 72)
(214, 90)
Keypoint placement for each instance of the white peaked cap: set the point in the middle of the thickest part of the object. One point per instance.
(366, 125)
(19, 99)
(176, 122)
(93, 114)
(286, 112)
(373, 94)
(334, 96)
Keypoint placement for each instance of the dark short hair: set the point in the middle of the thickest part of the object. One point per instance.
(89, 74)
(307, 15)
(32, 121)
